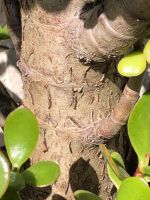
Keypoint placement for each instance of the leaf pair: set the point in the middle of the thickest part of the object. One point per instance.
(21, 133)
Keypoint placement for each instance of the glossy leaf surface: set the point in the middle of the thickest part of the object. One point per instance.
(139, 129)
(120, 164)
(4, 174)
(11, 195)
(21, 133)
(41, 174)
(85, 195)
(132, 64)
(147, 51)
(16, 181)
(133, 188)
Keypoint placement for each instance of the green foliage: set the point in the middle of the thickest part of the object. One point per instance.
(147, 51)
(4, 174)
(139, 129)
(11, 195)
(21, 133)
(130, 188)
(35, 175)
(133, 188)
(132, 64)
(121, 167)
(4, 33)
(85, 195)
(17, 182)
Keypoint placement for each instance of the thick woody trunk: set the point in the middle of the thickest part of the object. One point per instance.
(70, 91)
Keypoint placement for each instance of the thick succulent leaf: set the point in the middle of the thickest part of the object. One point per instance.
(146, 170)
(120, 164)
(147, 178)
(4, 174)
(21, 133)
(4, 33)
(133, 188)
(106, 154)
(132, 64)
(16, 181)
(139, 129)
(147, 51)
(85, 195)
(42, 174)
(11, 195)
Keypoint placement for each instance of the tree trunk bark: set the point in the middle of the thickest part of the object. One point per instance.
(69, 90)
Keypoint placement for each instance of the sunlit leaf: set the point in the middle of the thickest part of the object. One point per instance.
(42, 174)
(85, 195)
(133, 188)
(11, 195)
(146, 51)
(16, 181)
(21, 133)
(4, 174)
(120, 165)
(132, 64)
(139, 129)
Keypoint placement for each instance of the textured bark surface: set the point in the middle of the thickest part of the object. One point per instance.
(68, 97)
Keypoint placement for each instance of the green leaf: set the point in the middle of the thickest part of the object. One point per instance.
(146, 170)
(132, 64)
(21, 133)
(16, 181)
(133, 188)
(42, 174)
(146, 51)
(139, 129)
(106, 154)
(85, 195)
(147, 178)
(120, 165)
(4, 33)
(11, 195)
(4, 174)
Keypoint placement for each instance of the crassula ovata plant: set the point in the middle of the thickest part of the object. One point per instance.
(21, 133)
(134, 63)
(136, 187)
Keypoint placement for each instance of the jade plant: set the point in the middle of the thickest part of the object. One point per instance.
(132, 64)
(21, 133)
(146, 51)
(4, 33)
(137, 186)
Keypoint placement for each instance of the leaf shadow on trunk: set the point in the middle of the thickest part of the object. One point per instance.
(83, 176)
(49, 6)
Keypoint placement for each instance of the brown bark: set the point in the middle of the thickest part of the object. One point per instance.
(69, 92)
